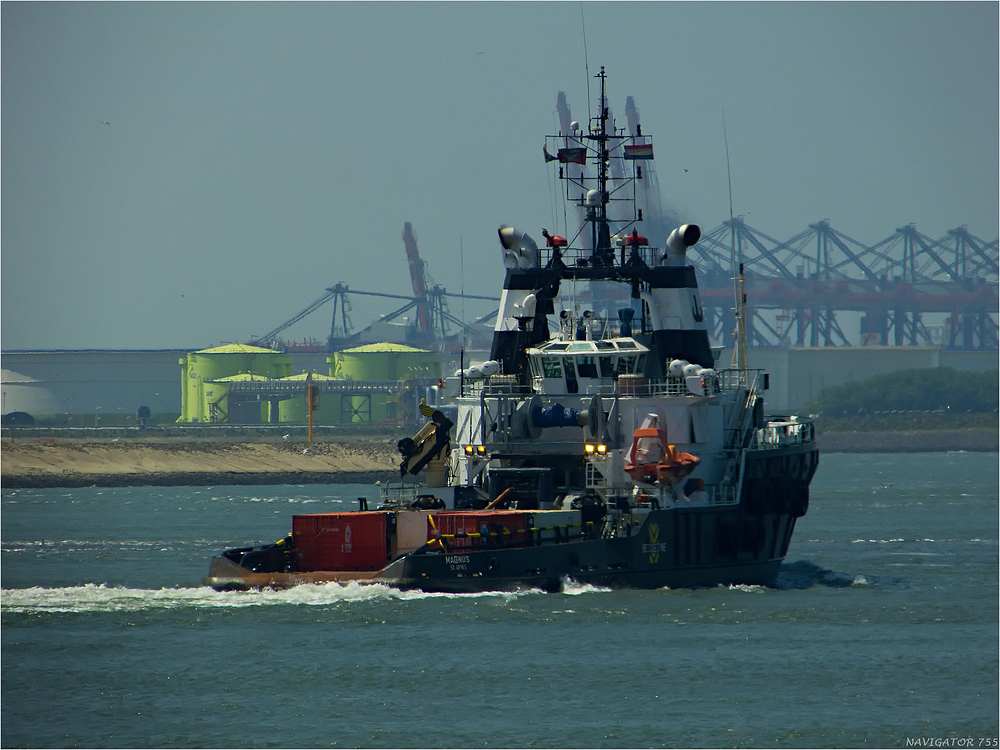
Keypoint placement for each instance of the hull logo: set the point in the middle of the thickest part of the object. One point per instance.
(654, 546)
(696, 310)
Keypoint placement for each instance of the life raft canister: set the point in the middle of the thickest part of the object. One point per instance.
(636, 239)
(553, 240)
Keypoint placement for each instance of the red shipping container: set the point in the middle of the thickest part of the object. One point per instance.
(461, 524)
(340, 541)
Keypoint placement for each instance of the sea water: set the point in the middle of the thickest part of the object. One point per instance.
(882, 632)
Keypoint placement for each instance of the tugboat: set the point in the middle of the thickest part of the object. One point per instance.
(601, 442)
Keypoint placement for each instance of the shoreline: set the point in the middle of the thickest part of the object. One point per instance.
(910, 441)
(191, 479)
(53, 462)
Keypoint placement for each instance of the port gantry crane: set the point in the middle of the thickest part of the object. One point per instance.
(432, 322)
(907, 289)
(795, 289)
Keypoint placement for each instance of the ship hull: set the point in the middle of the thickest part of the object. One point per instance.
(673, 548)
(225, 575)
(676, 548)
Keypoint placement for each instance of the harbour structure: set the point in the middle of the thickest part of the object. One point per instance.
(906, 290)
(203, 374)
(107, 387)
(819, 288)
(429, 325)
(91, 387)
(410, 369)
(240, 384)
(817, 303)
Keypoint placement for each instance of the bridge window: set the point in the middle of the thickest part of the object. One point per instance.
(552, 367)
(630, 365)
(586, 367)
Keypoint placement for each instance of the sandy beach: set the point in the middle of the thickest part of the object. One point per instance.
(62, 462)
(53, 462)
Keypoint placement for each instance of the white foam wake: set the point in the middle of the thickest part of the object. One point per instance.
(101, 598)
(575, 588)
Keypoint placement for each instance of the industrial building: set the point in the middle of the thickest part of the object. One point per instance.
(242, 384)
(84, 387)
(208, 375)
(105, 387)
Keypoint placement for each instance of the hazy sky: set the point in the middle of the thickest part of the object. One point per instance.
(259, 153)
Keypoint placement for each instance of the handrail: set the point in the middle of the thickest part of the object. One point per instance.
(777, 434)
(297, 387)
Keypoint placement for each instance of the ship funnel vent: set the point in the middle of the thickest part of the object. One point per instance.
(678, 242)
(519, 250)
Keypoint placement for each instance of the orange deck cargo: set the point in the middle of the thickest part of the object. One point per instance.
(465, 528)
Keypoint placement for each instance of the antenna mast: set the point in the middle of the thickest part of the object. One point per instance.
(739, 335)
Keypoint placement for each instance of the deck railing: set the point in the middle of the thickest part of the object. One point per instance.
(779, 434)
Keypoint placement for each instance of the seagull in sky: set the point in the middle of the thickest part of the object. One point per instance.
(105, 122)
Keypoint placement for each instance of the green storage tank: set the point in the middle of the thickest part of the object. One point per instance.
(384, 362)
(371, 408)
(381, 362)
(220, 362)
(293, 410)
(218, 408)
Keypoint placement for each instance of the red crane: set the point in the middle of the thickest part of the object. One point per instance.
(417, 279)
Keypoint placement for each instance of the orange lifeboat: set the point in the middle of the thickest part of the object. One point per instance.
(653, 461)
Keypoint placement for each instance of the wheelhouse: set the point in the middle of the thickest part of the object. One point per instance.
(584, 366)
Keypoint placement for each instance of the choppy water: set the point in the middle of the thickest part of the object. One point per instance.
(884, 629)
